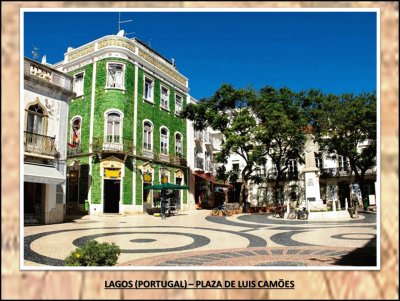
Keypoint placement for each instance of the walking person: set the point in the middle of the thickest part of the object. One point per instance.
(164, 203)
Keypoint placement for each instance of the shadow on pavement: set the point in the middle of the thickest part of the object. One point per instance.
(364, 256)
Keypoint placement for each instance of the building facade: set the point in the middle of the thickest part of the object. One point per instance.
(124, 129)
(323, 179)
(47, 93)
(202, 148)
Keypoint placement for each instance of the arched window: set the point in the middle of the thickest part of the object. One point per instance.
(113, 133)
(147, 136)
(76, 131)
(178, 144)
(35, 121)
(164, 140)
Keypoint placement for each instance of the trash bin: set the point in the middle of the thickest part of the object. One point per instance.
(366, 203)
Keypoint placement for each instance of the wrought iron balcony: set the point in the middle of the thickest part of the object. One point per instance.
(39, 144)
(180, 160)
(73, 150)
(287, 175)
(112, 144)
(335, 172)
(163, 157)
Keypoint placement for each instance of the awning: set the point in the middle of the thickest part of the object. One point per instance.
(42, 174)
(212, 179)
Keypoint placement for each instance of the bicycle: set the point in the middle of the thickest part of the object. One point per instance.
(224, 209)
(299, 214)
(279, 210)
(171, 208)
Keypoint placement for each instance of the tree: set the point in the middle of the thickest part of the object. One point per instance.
(281, 114)
(346, 125)
(229, 111)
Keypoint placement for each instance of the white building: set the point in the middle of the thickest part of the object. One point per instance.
(317, 183)
(46, 97)
(202, 148)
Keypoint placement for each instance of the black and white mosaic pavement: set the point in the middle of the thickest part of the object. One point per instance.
(254, 240)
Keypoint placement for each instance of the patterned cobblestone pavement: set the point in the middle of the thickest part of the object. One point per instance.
(195, 238)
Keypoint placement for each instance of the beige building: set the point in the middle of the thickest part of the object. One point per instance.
(46, 97)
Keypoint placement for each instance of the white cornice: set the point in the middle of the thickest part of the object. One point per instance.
(129, 47)
(120, 52)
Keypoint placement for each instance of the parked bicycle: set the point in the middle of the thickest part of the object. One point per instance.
(299, 214)
(279, 210)
(226, 211)
(171, 207)
(168, 207)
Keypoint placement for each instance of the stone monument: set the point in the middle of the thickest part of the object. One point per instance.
(311, 178)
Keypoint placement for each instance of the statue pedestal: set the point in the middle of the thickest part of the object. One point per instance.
(312, 191)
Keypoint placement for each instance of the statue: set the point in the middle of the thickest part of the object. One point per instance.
(355, 200)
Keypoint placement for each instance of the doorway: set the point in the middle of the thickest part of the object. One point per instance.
(112, 189)
(344, 193)
(147, 196)
(34, 203)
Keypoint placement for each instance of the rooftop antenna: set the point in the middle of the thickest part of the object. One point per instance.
(120, 22)
(35, 52)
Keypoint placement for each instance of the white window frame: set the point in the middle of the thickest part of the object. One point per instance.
(121, 116)
(123, 75)
(176, 153)
(71, 126)
(343, 163)
(151, 135)
(151, 99)
(161, 97)
(161, 140)
(292, 166)
(181, 109)
(83, 84)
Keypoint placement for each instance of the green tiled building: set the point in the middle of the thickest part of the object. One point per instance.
(125, 131)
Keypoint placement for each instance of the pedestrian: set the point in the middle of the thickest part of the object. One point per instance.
(164, 202)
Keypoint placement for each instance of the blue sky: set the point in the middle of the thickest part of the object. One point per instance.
(331, 51)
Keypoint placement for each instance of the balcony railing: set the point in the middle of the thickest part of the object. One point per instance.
(179, 160)
(334, 172)
(73, 150)
(147, 153)
(287, 175)
(39, 144)
(113, 144)
(163, 157)
(32, 68)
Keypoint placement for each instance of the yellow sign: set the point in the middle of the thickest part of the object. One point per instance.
(147, 178)
(112, 173)
(164, 179)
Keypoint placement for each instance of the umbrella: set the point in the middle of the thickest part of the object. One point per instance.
(166, 186)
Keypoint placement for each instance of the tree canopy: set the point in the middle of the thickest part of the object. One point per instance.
(346, 125)
(275, 123)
